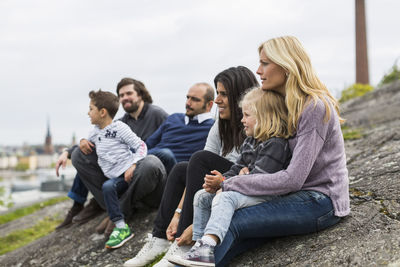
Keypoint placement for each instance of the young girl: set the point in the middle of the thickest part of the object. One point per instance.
(265, 150)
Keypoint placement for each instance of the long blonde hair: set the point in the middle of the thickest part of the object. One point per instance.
(270, 112)
(301, 81)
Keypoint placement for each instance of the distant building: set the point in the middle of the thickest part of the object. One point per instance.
(8, 161)
(73, 139)
(32, 157)
(48, 146)
(28, 162)
(46, 161)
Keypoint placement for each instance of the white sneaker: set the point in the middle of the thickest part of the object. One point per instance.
(173, 250)
(163, 263)
(154, 246)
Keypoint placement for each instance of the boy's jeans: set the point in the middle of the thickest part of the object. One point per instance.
(78, 191)
(112, 190)
(301, 212)
(213, 212)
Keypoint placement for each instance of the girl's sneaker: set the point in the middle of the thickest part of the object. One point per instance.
(201, 254)
(119, 236)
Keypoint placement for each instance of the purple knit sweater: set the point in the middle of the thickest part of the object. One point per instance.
(318, 163)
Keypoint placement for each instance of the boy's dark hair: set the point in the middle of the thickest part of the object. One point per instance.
(138, 86)
(106, 100)
(236, 81)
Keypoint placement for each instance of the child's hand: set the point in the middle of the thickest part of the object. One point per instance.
(218, 191)
(129, 173)
(213, 181)
(86, 146)
(244, 170)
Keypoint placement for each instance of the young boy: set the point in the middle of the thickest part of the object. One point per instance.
(114, 142)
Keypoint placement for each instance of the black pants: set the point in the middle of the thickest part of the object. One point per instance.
(190, 175)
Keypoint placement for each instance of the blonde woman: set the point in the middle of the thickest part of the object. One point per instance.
(265, 150)
(313, 190)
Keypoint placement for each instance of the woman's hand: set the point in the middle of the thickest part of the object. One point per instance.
(173, 227)
(186, 239)
(129, 173)
(215, 180)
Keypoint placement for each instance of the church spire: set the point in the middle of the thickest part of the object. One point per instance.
(48, 146)
(48, 128)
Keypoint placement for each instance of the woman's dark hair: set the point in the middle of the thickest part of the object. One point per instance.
(236, 81)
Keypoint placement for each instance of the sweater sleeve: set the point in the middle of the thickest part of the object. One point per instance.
(155, 138)
(92, 135)
(159, 115)
(133, 141)
(71, 149)
(240, 163)
(304, 154)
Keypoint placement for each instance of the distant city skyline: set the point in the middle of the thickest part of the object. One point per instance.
(54, 52)
(47, 137)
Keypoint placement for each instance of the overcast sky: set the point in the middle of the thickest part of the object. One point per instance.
(52, 53)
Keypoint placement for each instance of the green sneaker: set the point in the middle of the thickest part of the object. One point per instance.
(119, 236)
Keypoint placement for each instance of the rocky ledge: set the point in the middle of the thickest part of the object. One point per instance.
(369, 236)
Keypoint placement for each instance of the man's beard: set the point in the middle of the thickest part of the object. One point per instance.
(133, 108)
(190, 111)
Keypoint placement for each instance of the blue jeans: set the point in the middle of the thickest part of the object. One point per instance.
(166, 156)
(213, 212)
(112, 190)
(302, 212)
(78, 191)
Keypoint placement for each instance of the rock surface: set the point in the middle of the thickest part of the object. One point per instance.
(369, 236)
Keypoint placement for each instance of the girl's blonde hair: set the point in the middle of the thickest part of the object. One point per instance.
(270, 111)
(301, 81)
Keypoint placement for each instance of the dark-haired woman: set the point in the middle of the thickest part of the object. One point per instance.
(175, 214)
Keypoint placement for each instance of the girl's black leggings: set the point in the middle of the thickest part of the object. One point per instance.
(190, 175)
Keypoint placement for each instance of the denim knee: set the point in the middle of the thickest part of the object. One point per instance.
(225, 197)
(203, 199)
(167, 152)
(108, 186)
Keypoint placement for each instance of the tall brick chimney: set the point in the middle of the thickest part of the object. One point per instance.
(362, 73)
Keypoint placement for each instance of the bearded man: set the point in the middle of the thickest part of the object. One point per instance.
(144, 119)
